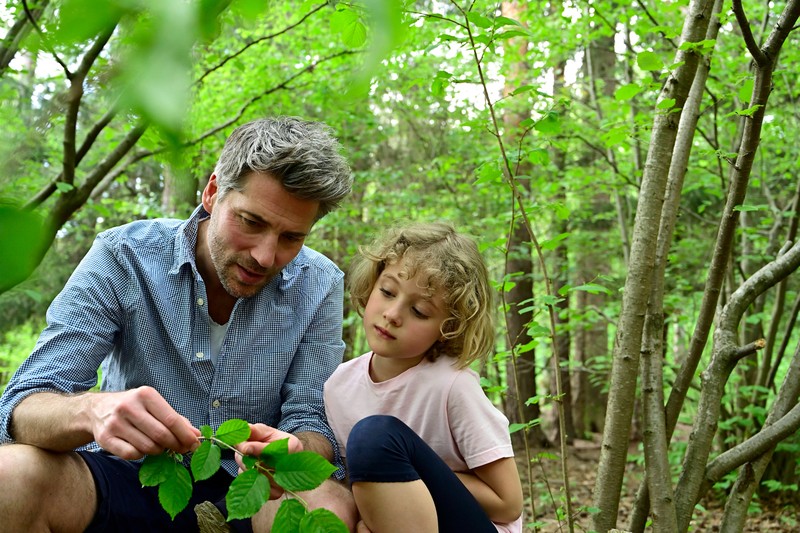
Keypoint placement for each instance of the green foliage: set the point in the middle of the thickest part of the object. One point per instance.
(23, 242)
(250, 490)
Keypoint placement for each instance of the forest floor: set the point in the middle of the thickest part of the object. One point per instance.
(774, 516)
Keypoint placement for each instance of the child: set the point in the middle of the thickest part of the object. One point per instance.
(425, 449)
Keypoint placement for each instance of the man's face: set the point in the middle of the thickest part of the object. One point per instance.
(253, 234)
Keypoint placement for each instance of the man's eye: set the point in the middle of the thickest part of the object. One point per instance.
(294, 238)
(247, 221)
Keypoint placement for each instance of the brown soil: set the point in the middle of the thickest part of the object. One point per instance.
(775, 516)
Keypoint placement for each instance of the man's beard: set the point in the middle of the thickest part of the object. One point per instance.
(226, 266)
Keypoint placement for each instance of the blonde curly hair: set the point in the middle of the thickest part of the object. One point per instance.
(448, 262)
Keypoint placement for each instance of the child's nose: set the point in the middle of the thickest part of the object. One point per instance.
(392, 315)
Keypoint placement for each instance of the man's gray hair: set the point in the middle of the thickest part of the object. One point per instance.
(303, 155)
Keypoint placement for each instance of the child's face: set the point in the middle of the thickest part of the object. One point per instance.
(402, 319)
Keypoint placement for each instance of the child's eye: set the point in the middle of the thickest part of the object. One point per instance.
(386, 292)
(418, 313)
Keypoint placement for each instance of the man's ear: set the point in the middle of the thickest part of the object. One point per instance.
(209, 196)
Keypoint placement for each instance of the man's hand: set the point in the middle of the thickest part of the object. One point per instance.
(260, 436)
(128, 424)
(139, 422)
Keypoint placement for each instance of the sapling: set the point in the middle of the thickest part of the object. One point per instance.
(250, 490)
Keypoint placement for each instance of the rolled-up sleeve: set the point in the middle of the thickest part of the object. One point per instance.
(82, 323)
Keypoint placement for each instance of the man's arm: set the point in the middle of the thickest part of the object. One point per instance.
(128, 424)
(317, 443)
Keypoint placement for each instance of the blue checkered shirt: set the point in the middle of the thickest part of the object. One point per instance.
(136, 307)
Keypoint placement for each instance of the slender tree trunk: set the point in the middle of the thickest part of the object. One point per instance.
(522, 370)
(656, 488)
(628, 342)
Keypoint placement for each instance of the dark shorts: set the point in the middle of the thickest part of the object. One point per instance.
(124, 505)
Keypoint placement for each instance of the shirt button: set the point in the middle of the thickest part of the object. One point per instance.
(199, 355)
(216, 403)
(200, 301)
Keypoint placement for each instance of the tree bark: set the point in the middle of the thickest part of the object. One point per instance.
(725, 355)
(638, 283)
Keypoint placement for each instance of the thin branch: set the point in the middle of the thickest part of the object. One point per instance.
(749, 349)
(259, 40)
(747, 34)
(45, 40)
(75, 95)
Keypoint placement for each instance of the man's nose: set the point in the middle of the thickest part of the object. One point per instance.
(264, 251)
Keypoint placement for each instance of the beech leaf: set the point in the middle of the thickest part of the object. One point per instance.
(247, 493)
(322, 521)
(206, 460)
(274, 451)
(302, 471)
(233, 431)
(155, 469)
(288, 518)
(174, 493)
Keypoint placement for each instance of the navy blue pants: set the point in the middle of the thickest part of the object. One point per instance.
(123, 505)
(382, 449)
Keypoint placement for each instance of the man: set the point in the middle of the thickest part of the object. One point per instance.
(224, 315)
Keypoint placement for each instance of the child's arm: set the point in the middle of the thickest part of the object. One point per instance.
(497, 488)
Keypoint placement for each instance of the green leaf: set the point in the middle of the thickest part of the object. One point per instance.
(746, 90)
(174, 493)
(539, 156)
(207, 432)
(233, 431)
(302, 471)
(247, 493)
(249, 462)
(649, 61)
(347, 23)
(592, 288)
(479, 20)
(322, 521)
(155, 469)
(249, 9)
(288, 518)
(23, 242)
(554, 243)
(549, 124)
(80, 20)
(522, 89)
(273, 451)
(206, 460)
(626, 92)
(513, 428)
(64, 187)
(506, 21)
(666, 103)
(746, 112)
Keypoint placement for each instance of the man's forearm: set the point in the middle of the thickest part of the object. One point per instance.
(315, 442)
(52, 421)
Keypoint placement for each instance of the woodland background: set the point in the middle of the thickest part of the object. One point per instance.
(629, 168)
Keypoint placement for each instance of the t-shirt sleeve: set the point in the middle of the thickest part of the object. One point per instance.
(479, 429)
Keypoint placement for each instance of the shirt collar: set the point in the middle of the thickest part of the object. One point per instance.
(186, 240)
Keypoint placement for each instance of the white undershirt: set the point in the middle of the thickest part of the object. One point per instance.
(217, 336)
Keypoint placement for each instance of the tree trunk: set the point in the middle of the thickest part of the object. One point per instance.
(628, 342)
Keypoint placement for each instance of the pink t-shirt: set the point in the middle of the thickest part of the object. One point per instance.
(444, 405)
